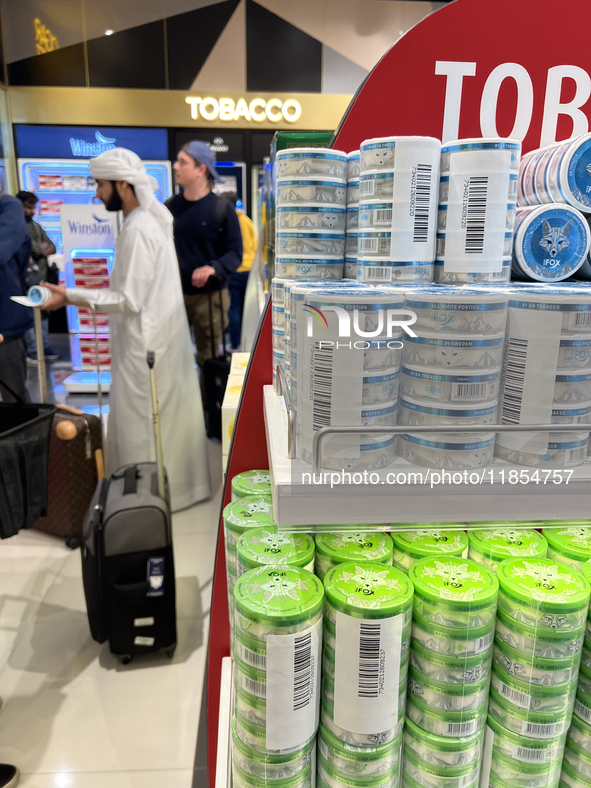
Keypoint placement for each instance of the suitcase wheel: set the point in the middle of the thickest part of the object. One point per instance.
(126, 659)
(73, 542)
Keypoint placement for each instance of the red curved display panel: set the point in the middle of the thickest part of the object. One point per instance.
(479, 69)
(248, 451)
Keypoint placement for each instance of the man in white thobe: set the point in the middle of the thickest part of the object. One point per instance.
(147, 312)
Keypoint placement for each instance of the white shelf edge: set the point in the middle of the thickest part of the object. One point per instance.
(223, 770)
(385, 506)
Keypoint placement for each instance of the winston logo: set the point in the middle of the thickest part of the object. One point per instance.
(376, 323)
(90, 149)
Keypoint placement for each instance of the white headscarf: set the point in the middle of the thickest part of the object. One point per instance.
(120, 164)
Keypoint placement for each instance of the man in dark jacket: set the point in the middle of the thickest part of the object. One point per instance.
(15, 320)
(208, 246)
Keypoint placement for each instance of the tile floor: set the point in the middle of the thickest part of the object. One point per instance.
(73, 716)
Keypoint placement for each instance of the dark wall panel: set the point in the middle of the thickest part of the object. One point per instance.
(279, 56)
(261, 145)
(233, 140)
(191, 37)
(129, 59)
(63, 67)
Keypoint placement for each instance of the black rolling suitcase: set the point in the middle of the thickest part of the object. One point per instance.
(127, 557)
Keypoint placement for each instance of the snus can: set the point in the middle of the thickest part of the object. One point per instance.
(550, 244)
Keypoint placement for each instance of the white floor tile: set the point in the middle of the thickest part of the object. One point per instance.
(85, 712)
(176, 778)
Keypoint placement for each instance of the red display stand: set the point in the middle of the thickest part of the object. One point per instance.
(248, 450)
(472, 69)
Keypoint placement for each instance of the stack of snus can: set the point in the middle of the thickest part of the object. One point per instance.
(243, 514)
(576, 765)
(367, 621)
(477, 198)
(490, 547)
(451, 374)
(397, 209)
(540, 626)
(551, 234)
(277, 653)
(355, 385)
(347, 546)
(412, 546)
(454, 611)
(353, 170)
(311, 213)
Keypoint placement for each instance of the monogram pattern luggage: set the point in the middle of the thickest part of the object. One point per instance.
(75, 462)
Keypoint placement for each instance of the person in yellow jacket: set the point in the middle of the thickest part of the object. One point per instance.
(237, 282)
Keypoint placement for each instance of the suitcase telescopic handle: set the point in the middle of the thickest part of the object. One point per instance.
(151, 359)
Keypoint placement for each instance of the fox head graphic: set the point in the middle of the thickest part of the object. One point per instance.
(555, 239)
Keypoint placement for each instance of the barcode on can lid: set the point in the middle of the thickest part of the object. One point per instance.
(422, 203)
(251, 657)
(460, 728)
(514, 379)
(539, 731)
(380, 273)
(466, 391)
(579, 320)
(322, 378)
(383, 216)
(367, 245)
(368, 683)
(475, 197)
(575, 455)
(254, 687)
(521, 699)
(483, 643)
(527, 755)
(302, 671)
(582, 711)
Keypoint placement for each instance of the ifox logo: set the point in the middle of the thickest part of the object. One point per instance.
(386, 321)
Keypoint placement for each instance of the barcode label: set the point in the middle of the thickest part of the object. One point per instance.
(460, 728)
(466, 391)
(513, 381)
(251, 657)
(530, 756)
(483, 643)
(383, 216)
(579, 320)
(366, 187)
(302, 676)
(477, 193)
(539, 731)
(367, 245)
(521, 699)
(499, 275)
(422, 201)
(576, 455)
(322, 377)
(367, 671)
(378, 273)
(293, 686)
(254, 687)
(582, 711)
(368, 683)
